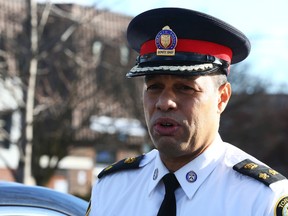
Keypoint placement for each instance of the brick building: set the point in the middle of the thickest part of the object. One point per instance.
(81, 50)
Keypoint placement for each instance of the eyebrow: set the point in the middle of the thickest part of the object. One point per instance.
(151, 77)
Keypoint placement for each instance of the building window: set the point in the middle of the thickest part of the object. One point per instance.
(96, 48)
(124, 55)
(5, 129)
(105, 157)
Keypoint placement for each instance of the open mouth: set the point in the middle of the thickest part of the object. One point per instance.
(166, 127)
(166, 124)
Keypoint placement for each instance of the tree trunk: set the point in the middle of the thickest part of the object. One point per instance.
(28, 178)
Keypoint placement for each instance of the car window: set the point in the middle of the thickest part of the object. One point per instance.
(27, 211)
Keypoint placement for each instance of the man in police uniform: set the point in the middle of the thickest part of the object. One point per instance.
(185, 58)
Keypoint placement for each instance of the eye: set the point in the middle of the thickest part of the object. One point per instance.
(185, 88)
(153, 87)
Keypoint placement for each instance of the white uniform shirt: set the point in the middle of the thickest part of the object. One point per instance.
(208, 186)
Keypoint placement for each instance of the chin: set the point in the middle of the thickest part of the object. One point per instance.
(169, 148)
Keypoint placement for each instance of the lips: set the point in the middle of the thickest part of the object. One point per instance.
(165, 126)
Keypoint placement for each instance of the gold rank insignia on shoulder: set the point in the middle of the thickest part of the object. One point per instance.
(125, 164)
(281, 207)
(250, 166)
(259, 172)
(129, 160)
(109, 167)
(166, 41)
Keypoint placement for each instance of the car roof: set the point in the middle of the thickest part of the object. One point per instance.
(13, 194)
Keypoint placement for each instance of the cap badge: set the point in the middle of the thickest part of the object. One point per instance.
(166, 41)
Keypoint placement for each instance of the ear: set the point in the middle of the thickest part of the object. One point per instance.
(223, 96)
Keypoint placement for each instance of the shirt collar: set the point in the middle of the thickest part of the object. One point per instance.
(158, 172)
(200, 168)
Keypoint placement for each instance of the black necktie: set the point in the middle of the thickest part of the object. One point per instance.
(168, 206)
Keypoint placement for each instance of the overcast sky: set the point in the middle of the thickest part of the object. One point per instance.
(263, 21)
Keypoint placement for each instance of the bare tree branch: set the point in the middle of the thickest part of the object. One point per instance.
(44, 18)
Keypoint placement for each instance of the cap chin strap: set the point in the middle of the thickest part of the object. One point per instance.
(180, 58)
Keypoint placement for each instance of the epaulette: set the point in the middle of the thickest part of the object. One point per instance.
(125, 164)
(259, 172)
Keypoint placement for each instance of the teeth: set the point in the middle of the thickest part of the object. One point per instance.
(166, 124)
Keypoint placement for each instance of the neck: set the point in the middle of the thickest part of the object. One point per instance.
(174, 163)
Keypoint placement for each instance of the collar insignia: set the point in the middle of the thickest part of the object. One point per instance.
(166, 41)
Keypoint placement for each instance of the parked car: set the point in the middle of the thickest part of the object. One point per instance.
(20, 200)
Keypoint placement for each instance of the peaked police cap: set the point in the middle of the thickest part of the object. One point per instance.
(184, 42)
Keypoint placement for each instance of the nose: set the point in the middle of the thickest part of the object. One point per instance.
(166, 101)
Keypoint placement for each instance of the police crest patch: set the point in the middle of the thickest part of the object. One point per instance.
(166, 41)
(281, 208)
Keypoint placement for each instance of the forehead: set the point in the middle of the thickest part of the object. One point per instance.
(172, 77)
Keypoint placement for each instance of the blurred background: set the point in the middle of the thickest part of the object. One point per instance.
(67, 110)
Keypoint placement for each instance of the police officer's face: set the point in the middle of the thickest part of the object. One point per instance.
(182, 114)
